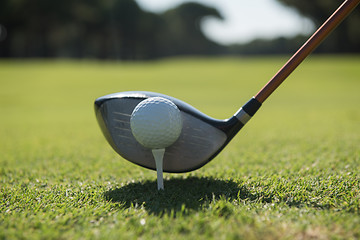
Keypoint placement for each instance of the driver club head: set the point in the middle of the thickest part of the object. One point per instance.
(201, 139)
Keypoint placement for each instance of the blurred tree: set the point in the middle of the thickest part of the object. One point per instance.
(84, 31)
(116, 29)
(136, 34)
(346, 38)
(279, 45)
(120, 29)
(184, 30)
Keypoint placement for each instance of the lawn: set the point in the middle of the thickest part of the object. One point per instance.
(291, 173)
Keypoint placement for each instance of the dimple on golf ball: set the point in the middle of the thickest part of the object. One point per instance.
(156, 123)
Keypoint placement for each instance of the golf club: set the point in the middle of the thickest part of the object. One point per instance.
(202, 137)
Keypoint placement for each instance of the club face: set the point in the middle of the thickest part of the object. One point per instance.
(201, 139)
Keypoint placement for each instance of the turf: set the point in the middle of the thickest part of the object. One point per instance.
(291, 173)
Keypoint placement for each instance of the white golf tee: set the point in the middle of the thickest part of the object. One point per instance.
(159, 156)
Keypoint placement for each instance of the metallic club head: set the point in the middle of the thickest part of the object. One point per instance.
(201, 139)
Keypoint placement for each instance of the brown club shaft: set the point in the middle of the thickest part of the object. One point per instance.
(331, 23)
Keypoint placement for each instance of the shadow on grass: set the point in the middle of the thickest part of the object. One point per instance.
(179, 196)
(184, 194)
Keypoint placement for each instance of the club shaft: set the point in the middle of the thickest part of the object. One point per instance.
(331, 23)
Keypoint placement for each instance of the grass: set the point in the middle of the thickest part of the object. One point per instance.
(291, 173)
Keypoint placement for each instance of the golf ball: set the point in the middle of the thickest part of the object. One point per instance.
(156, 123)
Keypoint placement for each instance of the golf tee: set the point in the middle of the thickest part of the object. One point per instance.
(159, 156)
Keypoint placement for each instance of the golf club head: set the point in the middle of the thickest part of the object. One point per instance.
(201, 139)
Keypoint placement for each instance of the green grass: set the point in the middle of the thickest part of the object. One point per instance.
(291, 173)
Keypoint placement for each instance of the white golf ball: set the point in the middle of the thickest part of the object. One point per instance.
(156, 123)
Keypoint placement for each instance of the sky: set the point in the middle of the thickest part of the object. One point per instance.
(244, 20)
